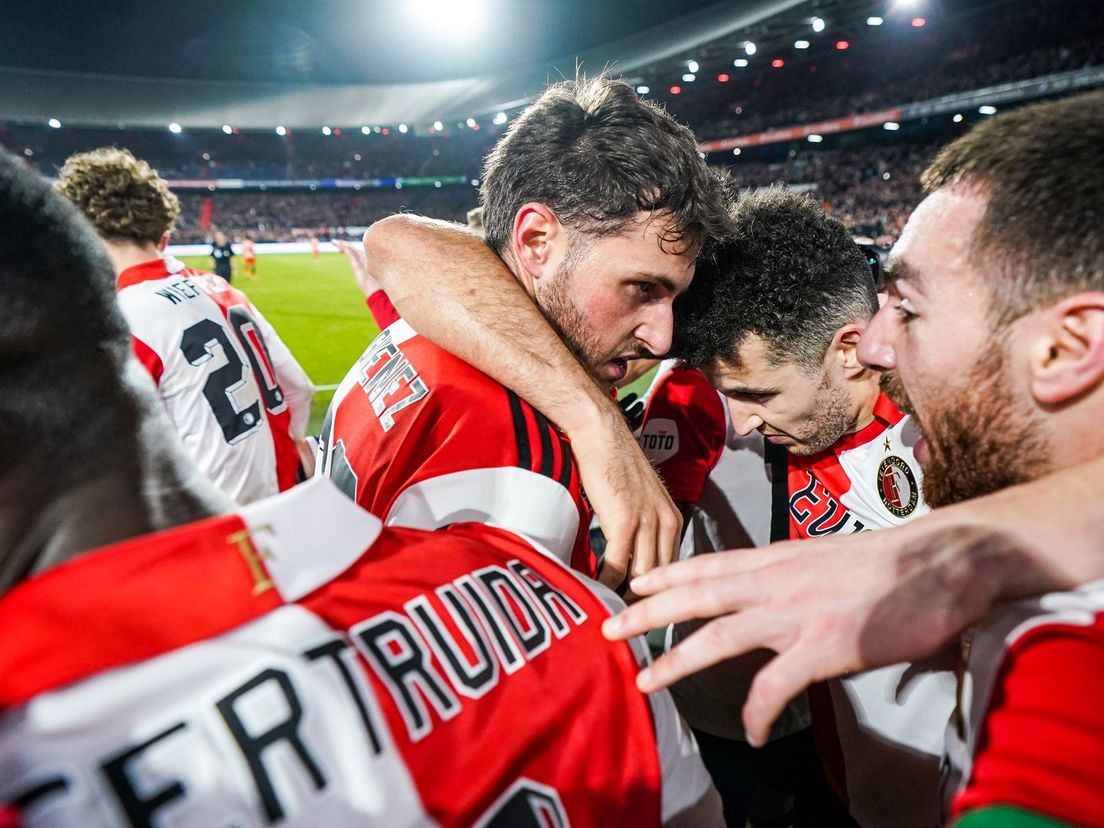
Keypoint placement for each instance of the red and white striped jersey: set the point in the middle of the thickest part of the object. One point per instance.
(234, 392)
(293, 663)
(1028, 732)
(425, 440)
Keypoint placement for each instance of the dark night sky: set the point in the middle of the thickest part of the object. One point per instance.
(368, 41)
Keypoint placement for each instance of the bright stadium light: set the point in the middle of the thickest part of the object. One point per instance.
(501, 118)
(55, 123)
(892, 126)
(737, 151)
(749, 48)
(437, 125)
(692, 65)
(175, 128)
(987, 110)
(454, 18)
(471, 123)
(740, 63)
(281, 130)
(957, 118)
(874, 21)
(403, 128)
(814, 138)
(643, 90)
(229, 130)
(689, 77)
(327, 131)
(818, 24)
(801, 44)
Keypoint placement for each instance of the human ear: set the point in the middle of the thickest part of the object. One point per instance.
(1067, 351)
(845, 345)
(537, 232)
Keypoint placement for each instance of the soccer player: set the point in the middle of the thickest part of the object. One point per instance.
(235, 394)
(249, 258)
(774, 327)
(423, 438)
(995, 329)
(291, 662)
(222, 256)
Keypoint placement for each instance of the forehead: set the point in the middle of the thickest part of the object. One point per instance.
(755, 369)
(643, 242)
(933, 254)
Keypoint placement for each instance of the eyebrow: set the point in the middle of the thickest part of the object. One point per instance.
(746, 391)
(658, 279)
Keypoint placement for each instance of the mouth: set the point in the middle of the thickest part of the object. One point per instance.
(615, 369)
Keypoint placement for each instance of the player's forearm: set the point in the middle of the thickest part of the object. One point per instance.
(455, 291)
(1034, 538)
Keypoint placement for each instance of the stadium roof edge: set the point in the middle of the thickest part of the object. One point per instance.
(79, 99)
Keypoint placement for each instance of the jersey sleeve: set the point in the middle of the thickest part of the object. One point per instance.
(382, 310)
(296, 385)
(149, 359)
(1039, 749)
(683, 433)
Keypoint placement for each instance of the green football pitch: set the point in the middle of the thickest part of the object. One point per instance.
(320, 314)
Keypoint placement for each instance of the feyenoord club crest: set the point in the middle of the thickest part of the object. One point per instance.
(897, 486)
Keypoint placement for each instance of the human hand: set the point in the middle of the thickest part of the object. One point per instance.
(354, 254)
(641, 523)
(827, 607)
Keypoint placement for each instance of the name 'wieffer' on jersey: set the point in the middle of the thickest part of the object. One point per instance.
(389, 379)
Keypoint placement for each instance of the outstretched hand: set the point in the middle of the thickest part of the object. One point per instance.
(354, 253)
(827, 607)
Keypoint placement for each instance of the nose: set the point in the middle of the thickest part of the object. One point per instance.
(656, 330)
(744, 418)
(876, 343)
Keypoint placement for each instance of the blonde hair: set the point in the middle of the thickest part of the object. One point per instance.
(123, 197)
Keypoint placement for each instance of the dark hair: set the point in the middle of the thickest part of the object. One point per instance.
(1042, 168)
(788, 273)
(597, 155)
(63, 341)
(123, 197)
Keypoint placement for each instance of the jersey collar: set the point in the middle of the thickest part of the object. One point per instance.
(148, 271)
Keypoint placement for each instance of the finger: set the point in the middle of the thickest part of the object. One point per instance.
(718, 640)
(700, 599)
(713, 565)
(644, 544)
(615, 560)
(773, 687)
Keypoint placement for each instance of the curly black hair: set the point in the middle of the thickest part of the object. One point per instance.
(788, 273)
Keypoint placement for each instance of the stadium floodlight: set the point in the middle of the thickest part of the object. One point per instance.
(818, 24)
(437, 125)
(471, 122)
(957, 118)
(874, 21)
(737, 151)
(919, 22)
(689, 77)
(475, 182)
(778, 63)
(643, 90)
(377, 130)
(842, 45)
(723, 78)
(437, 184)
(675, 90)
(987, 110)
(814, 138)
(327, 131)
(501, 118)
(801, 44)
(229, 130)
(692, 65)
(453, 18)
(281, 130)
(54, 123)
(403, 128)
(175, 128)
(892, 126)
(749, 48)
(740, 63)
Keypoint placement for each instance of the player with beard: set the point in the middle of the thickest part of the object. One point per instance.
(169, 659)
(995, 329)
(774, 328)
(598, 204)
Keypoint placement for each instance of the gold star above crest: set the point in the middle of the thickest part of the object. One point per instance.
(886, 444)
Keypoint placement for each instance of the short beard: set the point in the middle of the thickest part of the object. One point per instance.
(983, 440)
(835, 415)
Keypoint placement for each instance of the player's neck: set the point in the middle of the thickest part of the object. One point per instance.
(124, 255)
(865, 392)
